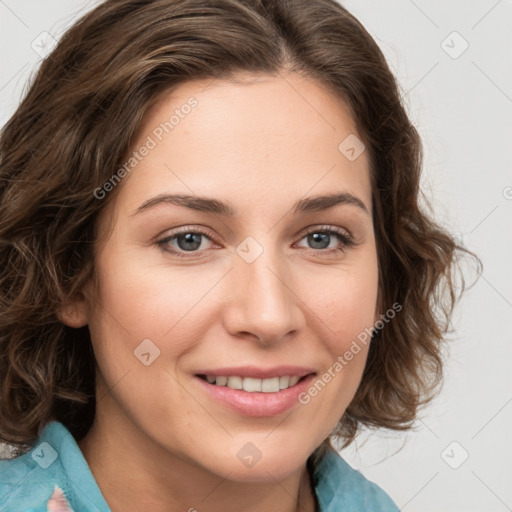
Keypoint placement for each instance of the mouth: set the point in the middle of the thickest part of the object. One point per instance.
(256, 393)
(253, 384)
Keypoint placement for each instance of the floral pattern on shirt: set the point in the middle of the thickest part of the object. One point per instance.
(58, 501)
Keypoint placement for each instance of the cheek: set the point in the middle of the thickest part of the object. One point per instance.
(140, 302)
(344, 314)
(347, 302)
(145, 300)
(137, 334)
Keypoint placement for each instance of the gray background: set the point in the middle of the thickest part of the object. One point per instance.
(459, 457)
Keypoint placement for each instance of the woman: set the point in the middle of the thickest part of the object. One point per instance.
(142, 372)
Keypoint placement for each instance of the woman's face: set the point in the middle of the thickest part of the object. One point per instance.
(255, 296)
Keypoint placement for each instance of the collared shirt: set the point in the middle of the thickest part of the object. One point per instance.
(28, 481)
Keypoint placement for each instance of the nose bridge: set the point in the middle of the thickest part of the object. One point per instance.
(264, 304)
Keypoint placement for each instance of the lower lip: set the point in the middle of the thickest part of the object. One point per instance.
(257, 404)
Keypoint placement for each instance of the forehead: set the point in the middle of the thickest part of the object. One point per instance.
(259, 141)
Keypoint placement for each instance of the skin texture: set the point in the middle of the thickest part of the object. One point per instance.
(158, 443)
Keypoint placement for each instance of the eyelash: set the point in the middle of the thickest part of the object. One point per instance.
(345, 239)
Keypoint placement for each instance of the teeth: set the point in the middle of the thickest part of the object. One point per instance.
(234, 382)
(252, 385)
(270, 385)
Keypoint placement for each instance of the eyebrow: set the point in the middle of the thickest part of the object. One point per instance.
(210, 205)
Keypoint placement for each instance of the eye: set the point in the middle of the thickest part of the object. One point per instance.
(320, 238)
(189, 240)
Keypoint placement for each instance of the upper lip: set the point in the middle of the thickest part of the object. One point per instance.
(257, 372)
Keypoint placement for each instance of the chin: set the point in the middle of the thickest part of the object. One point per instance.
(264, 473)
(249, 464)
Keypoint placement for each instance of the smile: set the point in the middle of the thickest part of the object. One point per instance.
(258, 393)
(254, 385)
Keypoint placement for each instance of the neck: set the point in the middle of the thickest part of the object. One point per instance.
(147, 477)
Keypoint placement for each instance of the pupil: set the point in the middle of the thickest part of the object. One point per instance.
(317, 238)
(189, 239)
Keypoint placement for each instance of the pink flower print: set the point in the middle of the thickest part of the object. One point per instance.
(58, 502)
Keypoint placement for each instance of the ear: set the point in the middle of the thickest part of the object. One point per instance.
(74, 313)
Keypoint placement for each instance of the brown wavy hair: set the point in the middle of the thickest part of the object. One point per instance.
(74, 128)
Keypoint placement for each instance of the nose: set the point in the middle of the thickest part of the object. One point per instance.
(263, 303)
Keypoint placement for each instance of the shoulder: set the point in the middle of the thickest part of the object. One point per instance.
(340, 487)
(28, 481)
